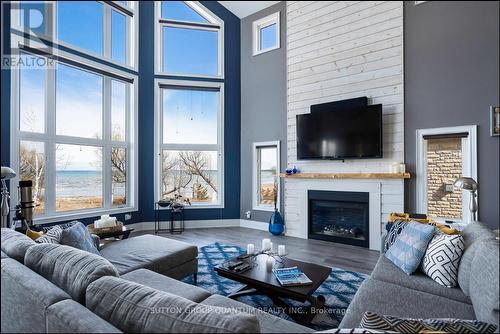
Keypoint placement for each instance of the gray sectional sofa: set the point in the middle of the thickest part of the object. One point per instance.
(389, 291)
(56, 288)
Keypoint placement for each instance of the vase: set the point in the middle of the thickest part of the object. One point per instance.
(276, 223)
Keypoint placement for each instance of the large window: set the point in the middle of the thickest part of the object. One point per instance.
(106, 29)
(266, 167)
(190, 160)
(74, 118)
(190, 40)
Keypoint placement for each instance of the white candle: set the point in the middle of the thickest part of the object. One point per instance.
(281, 250)
(266, 244)
(250, 248)
(269, 263)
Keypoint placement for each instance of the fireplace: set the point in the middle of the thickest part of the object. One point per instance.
(339, 216)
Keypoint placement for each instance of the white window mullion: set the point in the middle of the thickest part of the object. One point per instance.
(50, 145)
(106, 154)
(107, 31)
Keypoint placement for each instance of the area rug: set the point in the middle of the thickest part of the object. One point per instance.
(338, 289)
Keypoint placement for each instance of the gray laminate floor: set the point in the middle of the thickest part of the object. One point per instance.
(321, 252)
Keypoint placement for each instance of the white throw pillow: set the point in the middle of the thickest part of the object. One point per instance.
(442, 257)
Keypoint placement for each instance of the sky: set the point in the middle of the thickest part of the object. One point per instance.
(190, 115)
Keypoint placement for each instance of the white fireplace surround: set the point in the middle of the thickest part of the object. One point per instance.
(298, 228)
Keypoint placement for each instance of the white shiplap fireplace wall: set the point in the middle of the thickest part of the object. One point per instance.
(338, 50)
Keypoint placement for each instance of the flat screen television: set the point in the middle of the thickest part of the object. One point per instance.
(348, 133)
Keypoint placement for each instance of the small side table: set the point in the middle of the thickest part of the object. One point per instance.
(176, 215)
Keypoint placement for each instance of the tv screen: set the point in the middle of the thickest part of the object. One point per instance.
(340, 134)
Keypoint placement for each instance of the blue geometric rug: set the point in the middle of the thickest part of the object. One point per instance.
(338, 289)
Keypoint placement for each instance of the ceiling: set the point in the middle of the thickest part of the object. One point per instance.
(244, 8)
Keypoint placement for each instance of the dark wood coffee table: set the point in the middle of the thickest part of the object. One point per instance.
(260, 281)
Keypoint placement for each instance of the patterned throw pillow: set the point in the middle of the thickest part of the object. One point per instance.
(52, 236)
(396, 229)
(372, 320)
(442, 257)
(409, 247)
(78, 236)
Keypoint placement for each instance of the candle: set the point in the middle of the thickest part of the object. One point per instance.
(266, 243)
(269, 263)
(250, 248)
(281, 250)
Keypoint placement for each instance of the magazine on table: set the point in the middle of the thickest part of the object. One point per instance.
(291, 276)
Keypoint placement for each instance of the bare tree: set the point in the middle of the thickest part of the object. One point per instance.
(196, 163)
(178, 177)
(32, 167)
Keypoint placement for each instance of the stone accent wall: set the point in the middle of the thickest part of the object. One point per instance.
(444, 166)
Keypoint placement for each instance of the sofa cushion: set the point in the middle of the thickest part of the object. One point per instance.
(268, 322)
(69, 268)
(25, 298)
(484, 282)
(167, 284)
(15, 244)
(396, 228)
(442, 257)
(409, 247)
(78, 236)
(409, 325)
(473, 234)
(137, 308)
(386, 271)
(391, 299)
(4, 256)
(61, 319)
(148, 251)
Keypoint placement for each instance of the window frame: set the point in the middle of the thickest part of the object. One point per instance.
(160, 146)
(469, 166)
(49, 137)
(130, 10)
(215, 24)
(260, 24)
(256, 206)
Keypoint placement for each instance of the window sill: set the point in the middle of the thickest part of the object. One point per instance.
(196, 207)
(72, 215)
(259, 52)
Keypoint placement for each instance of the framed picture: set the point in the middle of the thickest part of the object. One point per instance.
(495, 121)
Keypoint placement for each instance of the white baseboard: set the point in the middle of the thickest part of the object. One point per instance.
(254, 224)
(211, 223)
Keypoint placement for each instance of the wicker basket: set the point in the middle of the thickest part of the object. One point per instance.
(102, 230)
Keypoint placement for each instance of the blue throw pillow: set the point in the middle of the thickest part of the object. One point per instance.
(79, 237)
(409, 247)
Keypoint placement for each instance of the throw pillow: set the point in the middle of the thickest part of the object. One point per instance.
(52, 236)
(33, 234)
(78, 236)
(409, 247)
(396, 229)
(372, 320)
(442, 257)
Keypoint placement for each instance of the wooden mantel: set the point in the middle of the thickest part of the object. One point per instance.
(342, 176)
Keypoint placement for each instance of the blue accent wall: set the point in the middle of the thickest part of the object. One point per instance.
(146, 111)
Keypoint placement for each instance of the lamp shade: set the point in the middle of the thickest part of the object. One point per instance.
(466, 183)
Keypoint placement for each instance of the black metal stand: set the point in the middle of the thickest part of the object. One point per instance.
(180, 218)
(158, 229)
(176, 214)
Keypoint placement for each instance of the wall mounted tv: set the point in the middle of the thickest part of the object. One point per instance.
(339, 131)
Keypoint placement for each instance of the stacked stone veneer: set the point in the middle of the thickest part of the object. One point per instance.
(444, 166)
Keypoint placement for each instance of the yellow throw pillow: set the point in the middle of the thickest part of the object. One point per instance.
(405, 217)
(33, 234)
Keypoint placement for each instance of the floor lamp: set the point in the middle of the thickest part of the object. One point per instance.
(469, 184)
